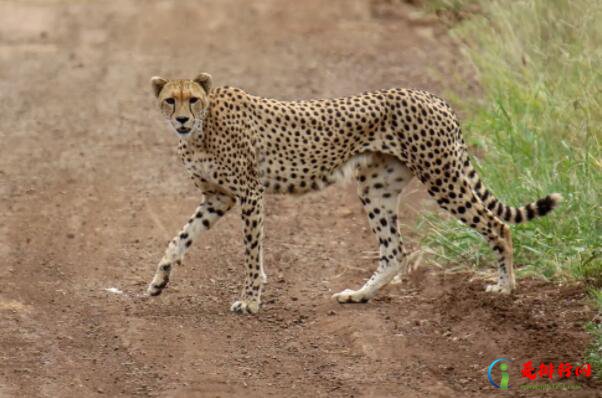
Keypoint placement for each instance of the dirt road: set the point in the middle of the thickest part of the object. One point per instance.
(91, 191)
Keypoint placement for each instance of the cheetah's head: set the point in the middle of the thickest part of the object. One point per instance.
(183, 103)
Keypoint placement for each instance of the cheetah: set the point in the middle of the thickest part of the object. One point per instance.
(237, 147)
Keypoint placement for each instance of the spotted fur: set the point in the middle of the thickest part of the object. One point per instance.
(237, 147)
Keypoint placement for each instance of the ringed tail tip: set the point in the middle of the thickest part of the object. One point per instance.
(547, 204)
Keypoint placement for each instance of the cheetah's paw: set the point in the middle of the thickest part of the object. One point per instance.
(352, 296)
(155, 289)
(498, 288)
(245, 307)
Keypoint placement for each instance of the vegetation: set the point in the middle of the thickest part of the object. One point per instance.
(538, 121)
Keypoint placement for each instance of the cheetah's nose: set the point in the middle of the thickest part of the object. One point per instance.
(182, 119)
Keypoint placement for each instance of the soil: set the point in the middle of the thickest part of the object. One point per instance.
(91, 190)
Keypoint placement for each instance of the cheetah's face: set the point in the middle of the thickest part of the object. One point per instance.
(183, 103)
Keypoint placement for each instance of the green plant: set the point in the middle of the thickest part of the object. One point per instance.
(539, 123)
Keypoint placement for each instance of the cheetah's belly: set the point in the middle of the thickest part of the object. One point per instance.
(305, 177)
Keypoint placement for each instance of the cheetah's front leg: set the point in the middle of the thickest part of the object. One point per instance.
(252, 217)
(206, 215)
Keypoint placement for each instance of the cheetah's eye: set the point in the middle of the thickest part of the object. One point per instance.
(193, 100)
(170, 101)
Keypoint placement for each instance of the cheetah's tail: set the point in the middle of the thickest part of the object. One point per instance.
(515, 215)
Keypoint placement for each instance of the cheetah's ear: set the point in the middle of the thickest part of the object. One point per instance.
(157, 84)
(205, 81)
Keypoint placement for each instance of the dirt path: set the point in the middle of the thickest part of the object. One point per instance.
(91, 190)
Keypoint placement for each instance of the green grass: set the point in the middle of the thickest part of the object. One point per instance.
(594, 354)
(538, 122)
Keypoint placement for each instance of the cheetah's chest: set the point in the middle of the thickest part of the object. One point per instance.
(201, 166)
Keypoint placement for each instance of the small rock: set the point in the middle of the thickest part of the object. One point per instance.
(332, 312)
(345, 212)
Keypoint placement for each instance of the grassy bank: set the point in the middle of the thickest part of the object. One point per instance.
(538, 122)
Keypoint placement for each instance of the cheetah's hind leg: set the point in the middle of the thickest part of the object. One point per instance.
(380, 183)
(463, 202)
